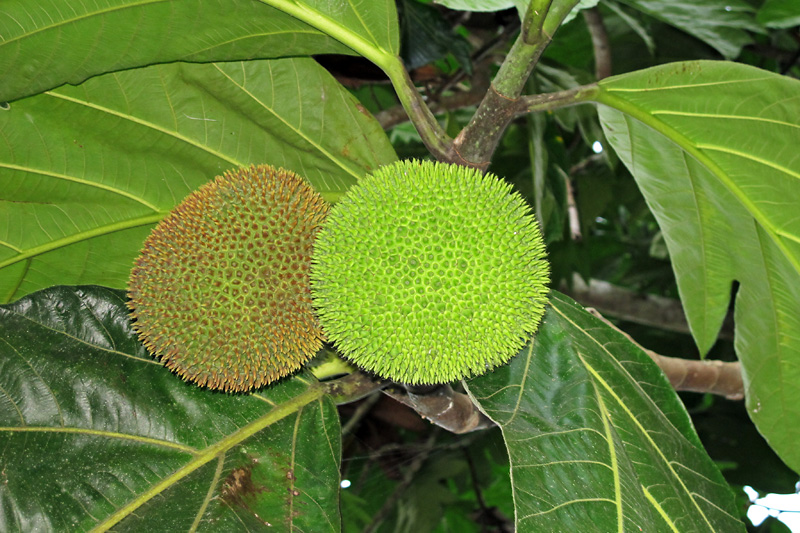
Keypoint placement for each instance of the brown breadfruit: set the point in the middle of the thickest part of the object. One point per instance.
(220, 293)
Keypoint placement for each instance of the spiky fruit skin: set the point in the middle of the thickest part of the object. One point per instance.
(221, 291)
(427, 273)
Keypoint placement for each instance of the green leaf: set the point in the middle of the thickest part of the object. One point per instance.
(49, 43)
(779, 14)
(94, 433)
(713, 147)
(86, 171)
(634, 24)
(722, 24)
(596, 435)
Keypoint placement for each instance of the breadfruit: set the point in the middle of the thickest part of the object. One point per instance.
(426, 273)
(220, 292)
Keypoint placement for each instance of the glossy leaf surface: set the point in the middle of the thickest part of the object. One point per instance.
(596, 435)
(713, 148)
(49, 43)
(86, 171)
(95, 433)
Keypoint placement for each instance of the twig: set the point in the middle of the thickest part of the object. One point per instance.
(484, 56)
(473, 474)
(629, 305)
(713, 377)
(556, 100)
(602, 51)
(489, 516)
(413, 468)
(361, 411)
(572, 212)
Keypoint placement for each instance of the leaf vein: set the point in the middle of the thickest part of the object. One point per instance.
(146, 124)
(724, 116)
(100, 433)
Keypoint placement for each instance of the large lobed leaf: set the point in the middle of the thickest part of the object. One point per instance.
(713, 147)
(597, 438)
(86, 171)
(94, 433)
(45, 44)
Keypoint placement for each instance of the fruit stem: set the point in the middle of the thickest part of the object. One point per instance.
(331, 367)
(353, 387)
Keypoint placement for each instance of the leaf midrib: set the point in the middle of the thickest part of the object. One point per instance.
(99, 433)
(85, 16)
(598, 379)
(603, 96)
(683, 86)
(316, 19)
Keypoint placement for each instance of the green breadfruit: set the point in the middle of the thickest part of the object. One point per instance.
(428, 273)
(221, 293)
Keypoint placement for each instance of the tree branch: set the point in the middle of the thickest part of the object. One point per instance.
(709, 376)
(602, 51)
(649, 310)
(713, 377)
(572, 213)
(477, 142)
